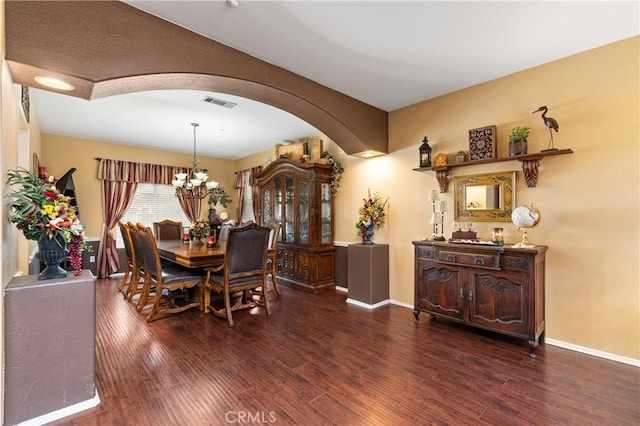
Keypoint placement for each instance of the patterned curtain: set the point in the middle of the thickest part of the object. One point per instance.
(255, 192)
(239, 185)
(119, 182)
(190, 207)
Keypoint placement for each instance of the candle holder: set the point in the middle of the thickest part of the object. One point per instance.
(442, 208)
(497, 237)
(433, 197)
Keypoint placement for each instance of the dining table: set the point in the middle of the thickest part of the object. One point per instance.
(191, 255)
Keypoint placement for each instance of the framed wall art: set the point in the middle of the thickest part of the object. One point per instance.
(482, 143)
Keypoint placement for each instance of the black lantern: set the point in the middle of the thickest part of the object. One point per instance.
(425, 153)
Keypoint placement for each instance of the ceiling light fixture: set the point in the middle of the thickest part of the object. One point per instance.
(53, 83)
(368, 154)
(233, 3)
(197, 186)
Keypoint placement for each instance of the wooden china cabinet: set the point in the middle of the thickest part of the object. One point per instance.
(298, 196)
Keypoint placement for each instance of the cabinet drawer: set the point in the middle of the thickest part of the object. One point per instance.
(515, 263)
(479, 260)
(425, 252)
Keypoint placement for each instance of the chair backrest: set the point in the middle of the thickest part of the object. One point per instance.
(149, 250)
(167, 230)
(224, 231)
(136, 246)
(126, 238)
(246, 250)
(274, 235)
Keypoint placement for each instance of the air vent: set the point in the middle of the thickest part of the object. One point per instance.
(219, 102)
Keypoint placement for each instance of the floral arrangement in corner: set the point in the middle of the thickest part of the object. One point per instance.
(371, 212)
(336, 170)
(199, 229)
(39, 209)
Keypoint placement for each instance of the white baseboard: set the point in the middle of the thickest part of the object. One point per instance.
(63, 412)
(342, 289)
(565, 345)
(593, 352)
(404, 305)
(366, 305)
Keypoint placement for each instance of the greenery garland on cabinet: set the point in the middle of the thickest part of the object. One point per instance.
(336, 170)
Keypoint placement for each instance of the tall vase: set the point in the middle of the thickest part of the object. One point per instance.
(367, 234)
(51, 252)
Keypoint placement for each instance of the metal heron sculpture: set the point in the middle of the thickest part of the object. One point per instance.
(551, 123)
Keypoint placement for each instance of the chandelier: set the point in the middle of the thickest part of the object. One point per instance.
(197, 185)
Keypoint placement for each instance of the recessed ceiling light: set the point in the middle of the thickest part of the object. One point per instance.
(53, 83)
(367, 154)
(233, 3)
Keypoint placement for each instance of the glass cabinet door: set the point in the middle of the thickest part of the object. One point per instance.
(277, 200)
(325, 213)
(289, 210)
(303, 212)
(266, 204)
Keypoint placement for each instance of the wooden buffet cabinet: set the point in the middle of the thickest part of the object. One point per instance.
(298, 196)
(497, 288)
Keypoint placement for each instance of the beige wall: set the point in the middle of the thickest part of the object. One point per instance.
(588, 200)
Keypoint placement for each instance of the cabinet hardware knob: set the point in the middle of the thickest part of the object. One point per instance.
(451, 257)
(461, 293)
(470, 295)
(479, 261)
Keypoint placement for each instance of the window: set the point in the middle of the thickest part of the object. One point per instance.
(152, 203)
(247, 201)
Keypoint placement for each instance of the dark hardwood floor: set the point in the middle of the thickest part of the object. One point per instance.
(319, 361)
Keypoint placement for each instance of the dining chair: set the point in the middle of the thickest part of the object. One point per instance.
(126, 238)
(224, 231)
(164, 285)
(244, 269)
(136, 286)
(272, 254)
(167, 230)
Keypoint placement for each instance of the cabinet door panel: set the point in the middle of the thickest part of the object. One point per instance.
(439, 290)
(277, 200)
(303, 212)
(498, 300)
(326, 235)
(290, 213)
(267, 214)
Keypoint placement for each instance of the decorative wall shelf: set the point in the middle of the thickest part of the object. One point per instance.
(530, 163)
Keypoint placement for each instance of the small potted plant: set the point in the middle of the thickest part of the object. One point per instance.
(518, 140)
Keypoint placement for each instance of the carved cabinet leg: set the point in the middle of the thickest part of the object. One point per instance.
(532, 348)
(416, 315)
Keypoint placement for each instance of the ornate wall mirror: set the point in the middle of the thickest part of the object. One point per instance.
(484, 198)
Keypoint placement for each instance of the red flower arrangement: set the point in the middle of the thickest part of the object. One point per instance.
(38, 208)
(371, 212)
